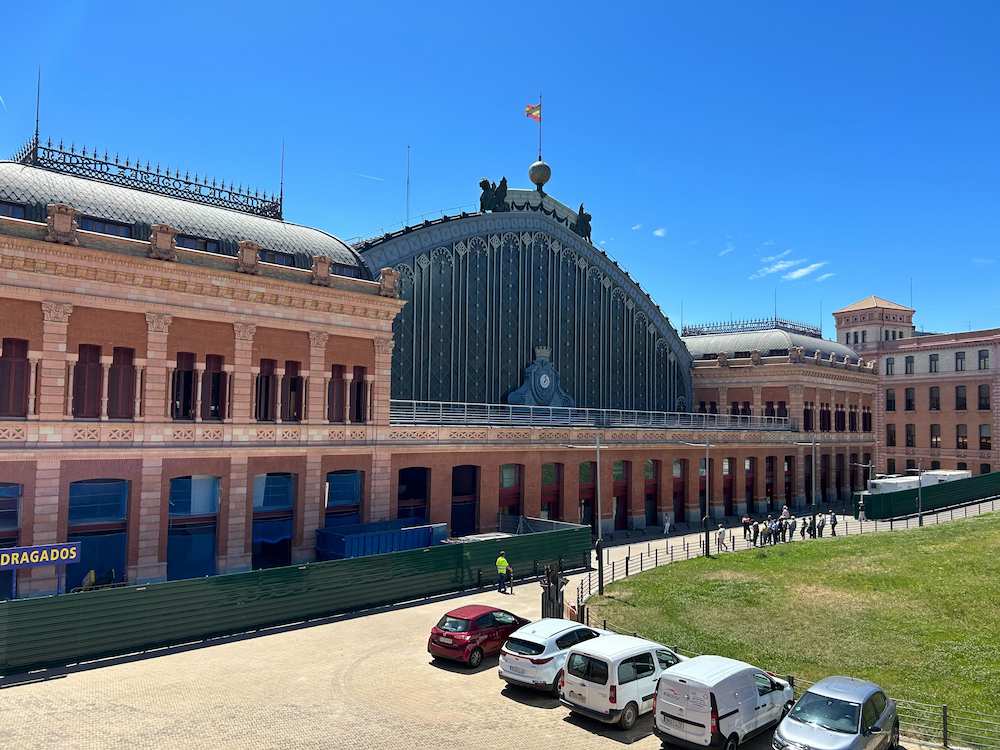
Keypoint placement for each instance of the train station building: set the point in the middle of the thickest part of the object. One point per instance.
(192, 385)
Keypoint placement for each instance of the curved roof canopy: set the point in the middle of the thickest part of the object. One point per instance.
(771, 342)
(35, 187)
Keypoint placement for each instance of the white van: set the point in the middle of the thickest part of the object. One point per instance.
(613, 678)
(712, 701)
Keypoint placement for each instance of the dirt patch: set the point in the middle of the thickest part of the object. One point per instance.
(817, 595)
(728, 575)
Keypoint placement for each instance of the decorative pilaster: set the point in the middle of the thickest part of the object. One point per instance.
(383, 379)
(279, 380)
(140, 369)
(369, 415)
(312, 509)
(33, 360)
(55, 396)
(159, 373)
(242, 407)
(227, 415)
(70, 371)
(316, 387)
(105, 373)
(237, 532)
(348, 379)
(199, 377)
(152, 563)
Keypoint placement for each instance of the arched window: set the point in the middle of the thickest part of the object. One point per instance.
(98, 513)
(194, 505)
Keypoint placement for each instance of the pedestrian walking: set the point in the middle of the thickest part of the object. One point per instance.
(765, 533)
(666, 524)
(812, 528)
(861, 510)
(720, 539)
(805, 528)
(791, 528)
(775, 531)
(502, 567)
(746, 526)
(820, 524)
(784, 530)
(785, 513)
(755, 531)
(833, 523)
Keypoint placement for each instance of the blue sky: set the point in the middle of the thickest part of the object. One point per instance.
(729, 152)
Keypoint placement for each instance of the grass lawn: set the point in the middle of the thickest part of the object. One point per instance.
(915, 611)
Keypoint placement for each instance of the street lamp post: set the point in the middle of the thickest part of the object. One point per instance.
(813, 496)
(708, 486)
(871, 474)
(599, 544)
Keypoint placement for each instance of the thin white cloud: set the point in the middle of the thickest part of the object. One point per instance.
(636, 227)
(3, 103)
(801, 273)
(984, 261)
(776, 267)
(660, 232)
(369, 177)
(727, 249)
(772, 258)
(825, 276)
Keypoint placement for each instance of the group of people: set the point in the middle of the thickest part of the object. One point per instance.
(782, 528)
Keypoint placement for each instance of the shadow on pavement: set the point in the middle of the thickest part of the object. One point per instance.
(528, 697)
(488, 663)
(642, 729)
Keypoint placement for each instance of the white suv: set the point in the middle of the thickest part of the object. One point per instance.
(533, 656)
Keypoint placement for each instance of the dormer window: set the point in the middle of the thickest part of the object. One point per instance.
(104, 226)
(277, 257)
(13, 210)
(198, 243)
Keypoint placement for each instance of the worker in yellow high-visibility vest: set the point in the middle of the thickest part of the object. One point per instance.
(502, 567)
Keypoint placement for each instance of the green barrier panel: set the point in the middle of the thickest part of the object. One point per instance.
(904, 502)
(67, 628)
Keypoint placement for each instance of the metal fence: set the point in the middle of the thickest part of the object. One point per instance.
(402, 412)
(927, 722)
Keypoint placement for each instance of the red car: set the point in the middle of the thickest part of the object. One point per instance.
(469, 633)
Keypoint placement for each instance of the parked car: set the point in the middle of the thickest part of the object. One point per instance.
(613, 678)
(840, 713)
(469, 633)
(534, 655)
(712, 701)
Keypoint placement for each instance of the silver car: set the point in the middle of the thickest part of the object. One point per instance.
(840, 713)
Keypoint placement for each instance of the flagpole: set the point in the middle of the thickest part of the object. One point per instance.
(540, 126)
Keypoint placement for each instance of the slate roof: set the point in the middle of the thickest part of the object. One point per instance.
(35, 187)
(872, 301)
(763, 341)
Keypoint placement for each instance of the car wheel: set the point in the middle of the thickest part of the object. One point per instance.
(732, 742)
(476, 658)
(629, 716)
(894, 737)
(555, 684)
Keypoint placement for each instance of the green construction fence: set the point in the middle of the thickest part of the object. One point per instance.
(68, 628)
(904, 502)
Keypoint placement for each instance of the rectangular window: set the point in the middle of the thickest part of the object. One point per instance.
(14, 378)
(984, 359)
(213, 388)
(932, 363)
(959, 361)
(984, 469)
(292, 388)
(890, 466)
(985, 437)
(183, 387)
(105, 226)
(121, 384)
(359, 405)
(98, 510)
(87, 382)
(984, 396)
(890, 435)
(10, 502)
(908, 365)
(961, 437)
(267, 388)
(890, 365)
(911, 399)
(863, 336)
(911, 436)
(198, 243)
(194, 496)
(935, 436)
(934, 398)
(960, 397)
(344, 490)
(98, 501)
(13, 210)
(277, 257)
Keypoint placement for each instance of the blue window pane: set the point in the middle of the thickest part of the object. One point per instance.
(342, 519)
(272, 543)
(6, 578)
(343, 488)
(273, 491)
(10, 495)
(98, 501)
(191, 552)
(194, 496)
(104, 554)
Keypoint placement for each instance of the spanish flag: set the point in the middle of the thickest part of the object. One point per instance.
(533, 112)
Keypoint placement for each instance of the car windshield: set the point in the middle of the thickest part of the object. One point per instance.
(519, 646)
(829, 713)
(454, 624)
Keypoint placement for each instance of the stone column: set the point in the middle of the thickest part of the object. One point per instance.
(348, 378)
(55, 397)
(326, 399)
(279, 379)
(760, 483)
(369, 398)
(313, 509)
(489, 495)
(70, 370)
(34, 358)
(723, 400)
(381, 502)
(227, 415)
(383, 379)
(692, 486)
(254, 381)
(569, 493)
(47, 579)
(717, 501)
(168, 392)
(238, 533)
(439, 503)
(199, 377)
(159, 372)
(758, 408)
(305, 398)
(800, 476)
(153, 529)
(316, 389)
(140, 369)
(740, 504)
(531, 486)
(242, 402)
(606, 478)
(637, 492)
(105, 373)
(796, 404)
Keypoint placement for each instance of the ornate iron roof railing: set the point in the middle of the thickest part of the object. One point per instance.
(747, 326)
(134, 175)
(402, 412)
